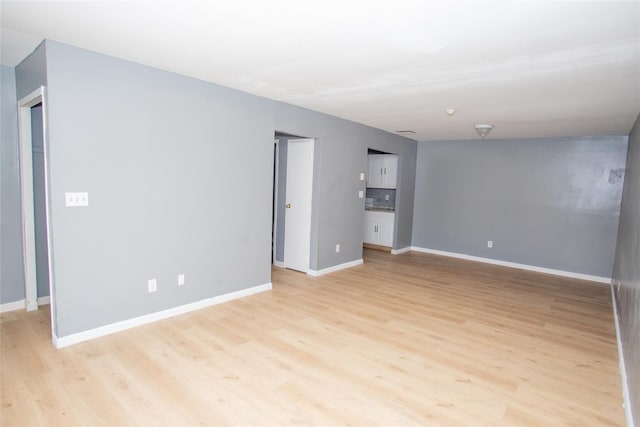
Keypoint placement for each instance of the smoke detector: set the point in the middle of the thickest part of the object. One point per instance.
(483, 130)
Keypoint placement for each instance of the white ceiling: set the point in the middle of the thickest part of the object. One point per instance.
(531, 68)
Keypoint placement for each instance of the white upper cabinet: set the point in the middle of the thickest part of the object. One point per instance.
(383, 171)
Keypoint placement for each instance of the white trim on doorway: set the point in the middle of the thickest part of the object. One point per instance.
(274, 228)
(36, 97)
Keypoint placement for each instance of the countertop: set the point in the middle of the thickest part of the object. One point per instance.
(380, 209)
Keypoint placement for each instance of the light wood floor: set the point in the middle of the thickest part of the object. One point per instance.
(411, 339)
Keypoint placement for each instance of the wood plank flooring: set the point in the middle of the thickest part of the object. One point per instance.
(411, 339)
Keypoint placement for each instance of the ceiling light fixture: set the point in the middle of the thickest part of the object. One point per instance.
(483, 130)
(450, 111)
(409, 132)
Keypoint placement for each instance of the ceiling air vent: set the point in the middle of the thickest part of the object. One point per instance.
(405, 132)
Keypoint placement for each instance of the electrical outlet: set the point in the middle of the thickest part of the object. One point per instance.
(360, 194)
(180, 279)
(386, 197)
(152, 285)
(361, 176)
(337, 247)
(489, 243)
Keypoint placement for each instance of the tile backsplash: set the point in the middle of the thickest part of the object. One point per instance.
(379, 196)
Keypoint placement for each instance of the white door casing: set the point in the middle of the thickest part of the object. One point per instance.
(25, 104)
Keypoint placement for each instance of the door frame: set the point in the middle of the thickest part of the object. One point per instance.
(274, 227)
(36, 97)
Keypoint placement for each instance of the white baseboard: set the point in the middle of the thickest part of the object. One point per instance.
(21, 304)
(623, 370)
(327, 270)
(563, 273)
(279, 264)
(400, 251)
(54, 340)
(101, 331)
(12, 306)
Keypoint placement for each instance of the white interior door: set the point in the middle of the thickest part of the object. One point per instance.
(297, 228)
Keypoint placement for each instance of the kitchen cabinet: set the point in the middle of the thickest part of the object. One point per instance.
(378, 228)
(383, 171)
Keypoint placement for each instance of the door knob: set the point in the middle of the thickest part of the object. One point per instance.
(288, 205)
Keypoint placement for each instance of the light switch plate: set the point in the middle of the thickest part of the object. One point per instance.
(361, 176)
(360, 194)
(76, 199)
(180, 279)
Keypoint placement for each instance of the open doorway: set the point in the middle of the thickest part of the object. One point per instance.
(380, 200)
(39, 205)
(293, 187)
(36, 232)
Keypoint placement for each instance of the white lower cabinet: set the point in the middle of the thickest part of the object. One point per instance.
(378, 228)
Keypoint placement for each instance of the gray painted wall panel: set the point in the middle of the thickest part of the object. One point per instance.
(11, 271)
(405, 197)
(543, 202)
(179, 176)
(341, 154)
(627, 270)
(178, 173)
(39, 202)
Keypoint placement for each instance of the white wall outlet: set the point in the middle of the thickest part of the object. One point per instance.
(360, 194)
(489, 243)
(76, 199)
(386, 197)
(152, 285)
(361, 176)
(337, 247)
(180, 279)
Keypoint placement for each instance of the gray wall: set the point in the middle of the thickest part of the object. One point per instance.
(179, 176)
(341, 155)
(31, 73)
(550, 203)
(627, 270)
(11, 272)
(281, 201)
(39, 202)
(178, 173)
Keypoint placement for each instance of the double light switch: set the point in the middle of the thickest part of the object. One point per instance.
(76, 199)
